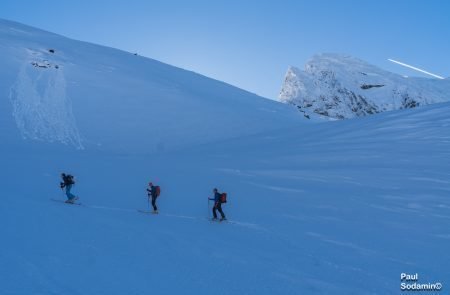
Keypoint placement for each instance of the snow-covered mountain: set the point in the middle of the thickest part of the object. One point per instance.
(57, 90)
(341, 87)
(339, 207)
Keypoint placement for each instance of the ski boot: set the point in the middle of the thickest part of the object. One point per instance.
(72, 200)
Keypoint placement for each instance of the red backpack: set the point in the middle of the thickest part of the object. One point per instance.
(158, 190)
(223, 198)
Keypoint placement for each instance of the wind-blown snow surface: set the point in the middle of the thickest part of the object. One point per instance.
(333, 208)
(342, 209)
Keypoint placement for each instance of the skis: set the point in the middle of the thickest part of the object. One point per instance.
(148, 212)
(65, 202)
(229, 222)
(217, 220)
(187, 217)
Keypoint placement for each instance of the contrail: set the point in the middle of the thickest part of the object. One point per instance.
(414, 68)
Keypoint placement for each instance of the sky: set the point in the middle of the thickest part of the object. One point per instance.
(250, 44)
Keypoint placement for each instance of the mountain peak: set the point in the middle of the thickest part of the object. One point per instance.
(341, 86)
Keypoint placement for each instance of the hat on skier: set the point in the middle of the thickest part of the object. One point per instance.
(150, 183)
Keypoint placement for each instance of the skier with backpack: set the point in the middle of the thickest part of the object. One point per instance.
(153, 192)
(67, 183)
(219, 199)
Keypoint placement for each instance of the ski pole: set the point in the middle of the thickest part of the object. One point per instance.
(62, 192)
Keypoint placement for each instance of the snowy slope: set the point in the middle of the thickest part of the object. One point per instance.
(334, 208)
(92, 97)
(342, 87)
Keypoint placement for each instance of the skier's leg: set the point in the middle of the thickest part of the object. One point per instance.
(70, 197)
(219, 208)
(68, 194)
(214, 211)
(154, 204)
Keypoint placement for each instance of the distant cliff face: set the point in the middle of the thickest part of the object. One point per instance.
(342, 87)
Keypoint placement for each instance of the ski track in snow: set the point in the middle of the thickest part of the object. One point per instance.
(276, 188)
(340, 243)
(436, 180)
(196, 218)
(41, 108)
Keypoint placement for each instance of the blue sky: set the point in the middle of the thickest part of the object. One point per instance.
(250, 44)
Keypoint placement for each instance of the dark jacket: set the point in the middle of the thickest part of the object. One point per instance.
(152, 191)
(216, 198)
(67, 180)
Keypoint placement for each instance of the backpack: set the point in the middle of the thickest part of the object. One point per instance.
(157, 190)
(223, 198)
(69, 180)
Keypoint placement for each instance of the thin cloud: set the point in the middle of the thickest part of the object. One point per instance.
(414, 68)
